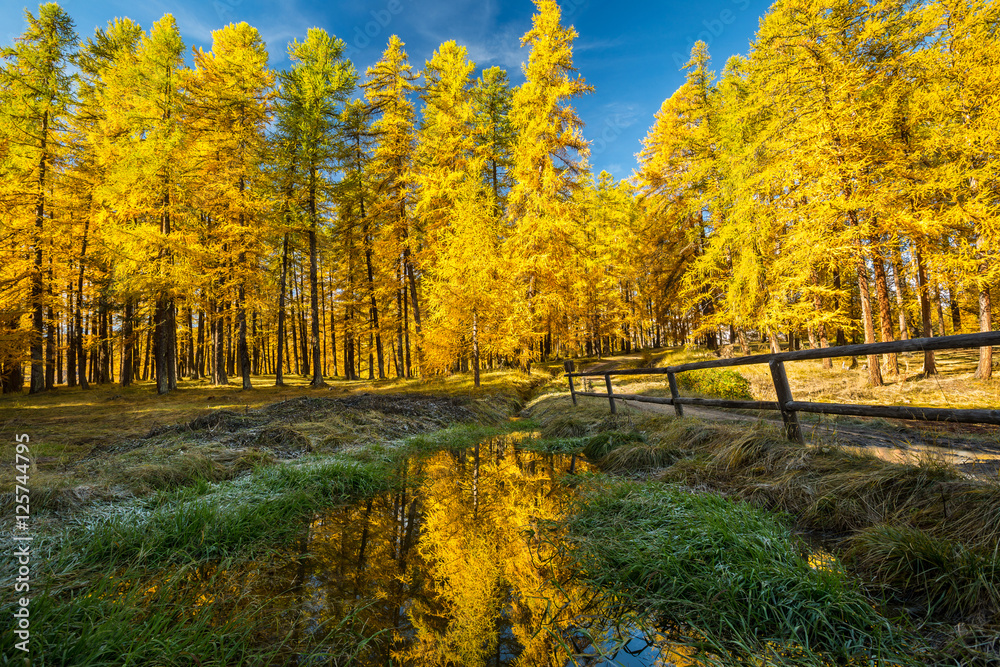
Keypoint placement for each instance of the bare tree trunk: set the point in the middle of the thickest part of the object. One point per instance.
(192, 366)
(930, 368)
(475, 346)
(70, 338)
(37, 289)
(899, 279)
(416, 311)
(772, 338)
(884, 311)
(200, 355)
(128, 343)
(317, 361)
(874, 371)
(985, 369)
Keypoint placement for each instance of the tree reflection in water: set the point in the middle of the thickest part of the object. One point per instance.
(461, 567)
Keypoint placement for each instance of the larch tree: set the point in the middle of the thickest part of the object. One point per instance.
(229, 95)
(313, 94)
(960, 111)
(35, 84)
(106, 174)
(388, 85)
(353, 231)
(493, 143)
(549, 163)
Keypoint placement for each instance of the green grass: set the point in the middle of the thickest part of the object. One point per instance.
(922, 534)
(217, 521)
(948, 579)
(727, 576)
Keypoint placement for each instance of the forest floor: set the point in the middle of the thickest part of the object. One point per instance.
(126, 483)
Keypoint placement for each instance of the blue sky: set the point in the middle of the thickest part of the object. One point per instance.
(630, 51)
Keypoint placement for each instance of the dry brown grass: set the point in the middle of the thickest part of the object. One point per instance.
(89, 437)
(953, 387)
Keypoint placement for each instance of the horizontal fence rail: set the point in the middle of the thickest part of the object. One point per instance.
(786, 405)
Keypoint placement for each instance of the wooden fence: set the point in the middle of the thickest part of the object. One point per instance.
(788, 406)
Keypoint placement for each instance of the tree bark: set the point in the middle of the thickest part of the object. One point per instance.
(930, 367)
(81, 353)
(475, 346)
(899, 280)
(37, 382)
(884, 311)
(317, 360)
(128, 343)
(874, 371)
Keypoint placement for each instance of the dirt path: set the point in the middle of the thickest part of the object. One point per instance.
(909, 443)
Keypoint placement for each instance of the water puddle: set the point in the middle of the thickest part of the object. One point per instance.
(463, 566)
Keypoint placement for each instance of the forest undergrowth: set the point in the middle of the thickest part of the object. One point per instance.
(919, 539)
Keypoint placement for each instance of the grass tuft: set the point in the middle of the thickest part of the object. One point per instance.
(723, 570)
(947, 578)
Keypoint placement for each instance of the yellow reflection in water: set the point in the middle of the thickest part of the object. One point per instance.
(461, 566)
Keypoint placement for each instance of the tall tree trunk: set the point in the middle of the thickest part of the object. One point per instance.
(199, 360)
(874, 371)
(128, 343)
(348, 344)
(775, 343)
(985, 369)
(219, 375)
(50, 334)
(70, 337)
(475, 346)
(884, 311)
(192, 366)
(416, 311)
(279, 369)
(37, 288)
(333, 330)
(373, 307)
(397, 353)
(242, 351)
(899, 280)
(930, 368)
(164, 320)
(317, 370)
(149, 343)
(81, 353)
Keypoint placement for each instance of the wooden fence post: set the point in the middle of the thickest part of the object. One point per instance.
(568, 365)
(791, 418)
(674, 394)
(611, 393)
